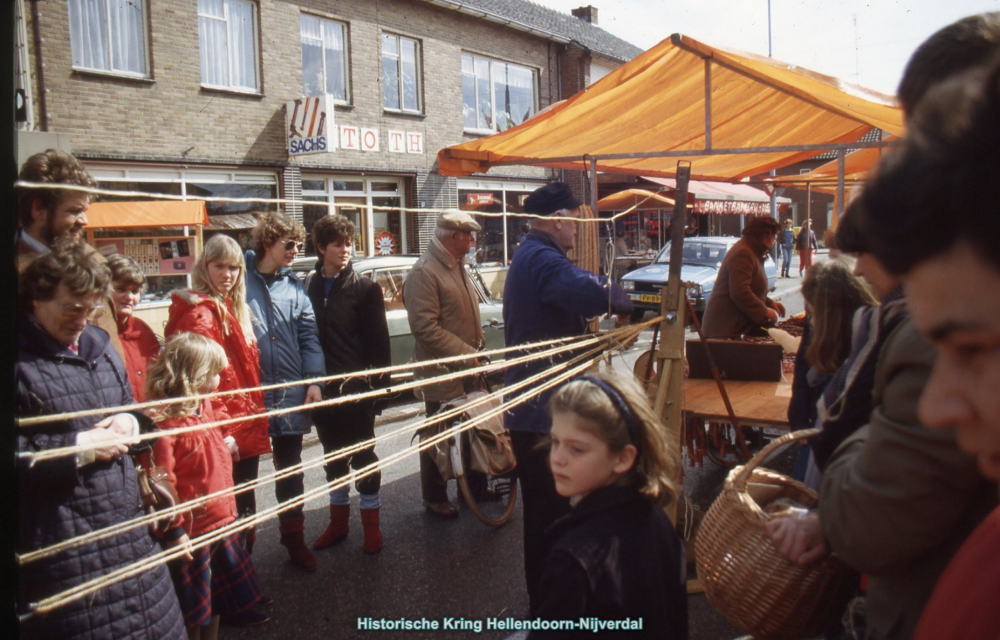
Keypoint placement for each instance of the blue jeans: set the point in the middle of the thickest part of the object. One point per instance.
(786, 260)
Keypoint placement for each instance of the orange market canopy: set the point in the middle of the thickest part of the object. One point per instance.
(152, 213)
(857, 166)
(723, 197)
(638, 198)
(732, 114)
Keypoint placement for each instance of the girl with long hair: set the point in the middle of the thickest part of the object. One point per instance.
(217, 579)
(615, 555)
(216, 308)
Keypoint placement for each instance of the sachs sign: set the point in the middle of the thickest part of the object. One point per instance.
(310, 121)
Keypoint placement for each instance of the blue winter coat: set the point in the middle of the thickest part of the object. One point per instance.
(57, 500)
(546, 296)
(285, 326)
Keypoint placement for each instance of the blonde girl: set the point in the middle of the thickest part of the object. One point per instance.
(215, 307)
(216, 579)
(616, 554)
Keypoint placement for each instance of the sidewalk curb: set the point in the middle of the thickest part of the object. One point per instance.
(787, 292)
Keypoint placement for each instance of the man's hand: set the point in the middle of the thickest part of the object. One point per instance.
(799, 540)
(772, 315)
(780, 308)
(122, 425)
(313, 394)
(111, 450)
(184, 542)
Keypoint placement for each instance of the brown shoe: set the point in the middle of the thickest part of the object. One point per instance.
(442, 509)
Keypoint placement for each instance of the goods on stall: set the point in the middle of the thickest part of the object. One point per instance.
(744, 576)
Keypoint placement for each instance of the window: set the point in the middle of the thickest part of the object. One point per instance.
(109, 35)
(373, 204)
(227, 38)
(324, 57)
(400, 74)
(496, 95)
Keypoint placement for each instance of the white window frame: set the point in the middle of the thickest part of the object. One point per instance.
(323, 24)
(229, 58)
(493, 104)
(368, 236)
(110, 41)
(418, 60)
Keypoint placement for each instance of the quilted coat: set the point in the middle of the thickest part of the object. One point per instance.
(199, 463)
(141, 347)
(285, 326)
(57, 500)
(199, 313)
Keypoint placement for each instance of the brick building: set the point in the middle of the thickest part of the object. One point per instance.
(188, 97)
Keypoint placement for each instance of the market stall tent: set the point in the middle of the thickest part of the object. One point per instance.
(152, 213)
(732, 114)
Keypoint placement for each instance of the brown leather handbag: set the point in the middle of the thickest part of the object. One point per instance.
(156, 491)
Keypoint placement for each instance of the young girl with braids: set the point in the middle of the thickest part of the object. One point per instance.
(219, 578)
(615, 555)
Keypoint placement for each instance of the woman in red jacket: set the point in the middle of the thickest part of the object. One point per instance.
(216, 308)
(215, 579)
(139, 344)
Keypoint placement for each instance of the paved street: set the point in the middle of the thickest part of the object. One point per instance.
(429, 568)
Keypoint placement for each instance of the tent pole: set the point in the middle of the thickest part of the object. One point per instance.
(840, 187)
(708, 103)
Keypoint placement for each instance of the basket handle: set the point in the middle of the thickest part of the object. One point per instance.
(743, 474)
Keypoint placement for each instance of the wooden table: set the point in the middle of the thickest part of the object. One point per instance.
(755, 403)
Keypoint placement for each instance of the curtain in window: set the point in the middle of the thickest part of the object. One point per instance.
(390, 72)
(212, 38)
(88, 38)
(485, 104)
(333, 50)
(518, 97)
(312, 55)
(242, 50)
(468, 93)
(128, 50)
(408, 67)
(108, 35)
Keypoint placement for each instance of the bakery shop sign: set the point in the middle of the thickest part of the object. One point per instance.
(731, 207)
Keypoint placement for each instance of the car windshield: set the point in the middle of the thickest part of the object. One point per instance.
(706, 254)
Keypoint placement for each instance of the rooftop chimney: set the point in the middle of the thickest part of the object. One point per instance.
(587, 14)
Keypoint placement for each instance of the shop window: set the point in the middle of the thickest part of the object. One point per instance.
(324, 57)
(496, 95)
(227, 38)
(372, 204)
(234, 190)
(109, 35)
(400, 74)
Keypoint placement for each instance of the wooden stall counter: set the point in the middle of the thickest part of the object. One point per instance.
(755, 403)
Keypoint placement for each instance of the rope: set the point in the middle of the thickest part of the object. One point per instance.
(293, 470)
(92, 586)
(49, 454)
(304, 203)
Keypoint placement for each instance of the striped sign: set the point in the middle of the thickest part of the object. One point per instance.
(309, 122)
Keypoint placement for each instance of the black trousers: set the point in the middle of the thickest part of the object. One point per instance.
(343, 426)
(246, 470)
(287, 453)
(433, 487)
(541, 506)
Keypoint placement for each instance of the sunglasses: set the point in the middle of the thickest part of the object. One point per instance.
(291, 244)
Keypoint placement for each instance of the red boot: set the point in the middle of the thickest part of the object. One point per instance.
(373, 535)
(294, 540)
(338, 527)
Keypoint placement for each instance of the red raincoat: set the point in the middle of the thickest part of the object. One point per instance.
(199, 463)
(199, 313)
(141, 348)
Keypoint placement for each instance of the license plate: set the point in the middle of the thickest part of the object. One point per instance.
(652, 298)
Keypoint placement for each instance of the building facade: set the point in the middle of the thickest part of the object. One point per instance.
(206, 98)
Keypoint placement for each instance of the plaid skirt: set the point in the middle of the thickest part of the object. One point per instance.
(220, 580)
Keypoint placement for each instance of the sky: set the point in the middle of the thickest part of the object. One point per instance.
(867, 43)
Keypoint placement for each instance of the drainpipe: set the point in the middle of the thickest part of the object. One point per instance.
(36, 30)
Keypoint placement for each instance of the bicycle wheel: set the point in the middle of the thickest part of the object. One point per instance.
(491, 498)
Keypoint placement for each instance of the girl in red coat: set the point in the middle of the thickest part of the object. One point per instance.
(218, 578)
(139, 344)
(216, 308)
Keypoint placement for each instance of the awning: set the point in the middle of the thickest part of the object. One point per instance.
(857, 166)
(724, 197)
(638, 198)
(656, 104)
(152, 213)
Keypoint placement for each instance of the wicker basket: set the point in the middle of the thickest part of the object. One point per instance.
(744, 577)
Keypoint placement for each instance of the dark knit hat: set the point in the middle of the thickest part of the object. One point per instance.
(551, 198)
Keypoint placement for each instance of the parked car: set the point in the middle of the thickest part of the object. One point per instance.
(390, 272)
(700, 265)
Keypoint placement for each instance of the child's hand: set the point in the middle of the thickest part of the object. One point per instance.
(234, 449)
(185, 542)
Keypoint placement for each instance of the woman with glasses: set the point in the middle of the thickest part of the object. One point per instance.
(290, 351)
(139, 344)
(216, 308)
(65, 364)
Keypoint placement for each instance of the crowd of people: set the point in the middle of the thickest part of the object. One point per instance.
(899, 366)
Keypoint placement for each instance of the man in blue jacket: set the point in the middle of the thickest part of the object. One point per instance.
(285, 326)
(546, 296)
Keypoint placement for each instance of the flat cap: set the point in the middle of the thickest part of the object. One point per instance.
(458, 221)
(551, 198)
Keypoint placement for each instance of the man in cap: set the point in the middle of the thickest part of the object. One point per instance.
(546, 296)
(443, 311)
